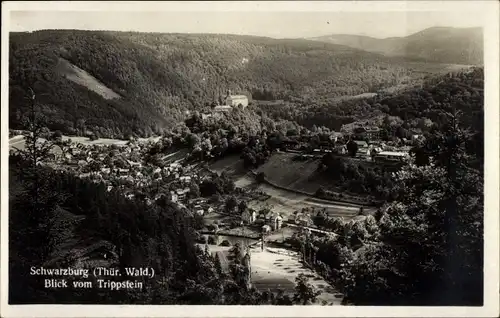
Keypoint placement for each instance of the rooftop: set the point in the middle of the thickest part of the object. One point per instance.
(237, 96)
(222, 107)
(393, 153)
(361, 142)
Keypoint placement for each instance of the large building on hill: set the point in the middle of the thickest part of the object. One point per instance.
(236, 100)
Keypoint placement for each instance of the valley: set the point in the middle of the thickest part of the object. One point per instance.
(246, 169)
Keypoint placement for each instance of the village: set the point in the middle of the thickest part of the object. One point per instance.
(225, 214)
(122, 166)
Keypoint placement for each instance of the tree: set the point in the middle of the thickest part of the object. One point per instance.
(192, 141)
(352, 148)
(261, 177)
(430, 236)
(321, 193)
(305, 293)
(218, 265)
(194, 190)
(231, 204)
(242, 206)
(239, 270)
(36, 225)
(57, 135)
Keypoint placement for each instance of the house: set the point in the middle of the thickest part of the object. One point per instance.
(236, 100)
(106, 170)
(391, 156)
(274, 220)
(198, 201)
(248, 216)
(175, 165)
(266, 229)
(205, 116)
(129, 195)
(173, 196)
(290, 143)
(134, 164)
(123, 172)
(367, 132)
(303, 219)
(186, 179)
(334, 136)
(341, 150)
(181, 193)
(361, 144)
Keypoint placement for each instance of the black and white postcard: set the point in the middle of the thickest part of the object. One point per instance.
(249, 159)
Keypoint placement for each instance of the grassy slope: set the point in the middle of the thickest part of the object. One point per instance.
(282, 170)
(81, 77)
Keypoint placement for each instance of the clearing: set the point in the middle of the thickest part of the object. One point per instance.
(81, 77)
(283, 170)
(276, 268)
(19, 142)
(296, 175)
(287, 202)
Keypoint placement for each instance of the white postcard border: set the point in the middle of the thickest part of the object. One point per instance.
(491, 226)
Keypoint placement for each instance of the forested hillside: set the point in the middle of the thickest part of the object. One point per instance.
(115, 83)
(417, 108)
(58, 220)
(438, 44)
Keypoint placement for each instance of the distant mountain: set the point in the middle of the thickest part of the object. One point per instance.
(116, 83)
(437, 44)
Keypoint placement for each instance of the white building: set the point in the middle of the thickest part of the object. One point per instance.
(185, 179)
(391, 156)
(223, 108)
(237, 100)
(173, 196)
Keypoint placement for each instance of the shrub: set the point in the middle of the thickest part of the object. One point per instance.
(211, 240)
(57, 135)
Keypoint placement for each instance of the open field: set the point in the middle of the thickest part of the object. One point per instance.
(281, 200)
(274, 271)
(286, 202)
(81, 77)
(232, 165)
(19, 143)
(175, 156)
(282, 170)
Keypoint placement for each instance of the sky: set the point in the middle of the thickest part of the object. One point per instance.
(277, 24)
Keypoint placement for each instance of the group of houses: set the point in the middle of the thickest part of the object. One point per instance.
(267, 219)
(370, 147)
(120, 166)
(200, 206)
